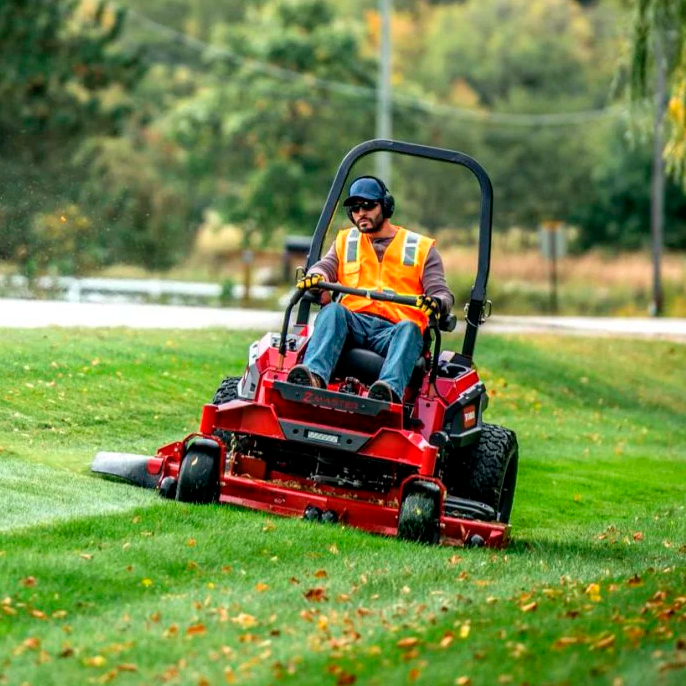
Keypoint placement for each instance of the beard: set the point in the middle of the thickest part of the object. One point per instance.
(376, 223)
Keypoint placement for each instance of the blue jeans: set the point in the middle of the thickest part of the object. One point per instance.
(401, 343)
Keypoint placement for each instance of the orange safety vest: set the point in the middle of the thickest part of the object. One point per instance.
(400, 270)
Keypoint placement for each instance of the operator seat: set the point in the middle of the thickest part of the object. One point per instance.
(365, 365)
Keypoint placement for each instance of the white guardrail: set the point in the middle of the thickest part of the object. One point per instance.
(93, 289)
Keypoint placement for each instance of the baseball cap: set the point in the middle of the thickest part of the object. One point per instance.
(364, 188)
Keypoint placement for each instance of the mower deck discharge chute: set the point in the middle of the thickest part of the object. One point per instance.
(426, 469)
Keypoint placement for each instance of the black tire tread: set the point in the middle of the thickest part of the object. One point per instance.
(227, 391)
(418, 519)
(490, 458)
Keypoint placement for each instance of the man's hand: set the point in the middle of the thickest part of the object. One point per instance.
(428, 305)
(309, 281)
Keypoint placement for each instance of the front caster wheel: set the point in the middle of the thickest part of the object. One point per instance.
(419, 519)
(199, 474)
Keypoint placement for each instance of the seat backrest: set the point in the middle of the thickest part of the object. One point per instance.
(365, 365)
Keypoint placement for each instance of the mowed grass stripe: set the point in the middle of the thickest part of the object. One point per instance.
(182, 582)
(32, 494)
(190, 593)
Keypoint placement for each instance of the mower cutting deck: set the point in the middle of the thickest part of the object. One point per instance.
(425, 469)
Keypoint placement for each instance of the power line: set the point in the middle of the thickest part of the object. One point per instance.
(399, 99)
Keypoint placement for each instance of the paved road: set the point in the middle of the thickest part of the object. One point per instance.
(41, 313)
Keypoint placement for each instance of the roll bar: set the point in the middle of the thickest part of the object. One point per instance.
(478, 292)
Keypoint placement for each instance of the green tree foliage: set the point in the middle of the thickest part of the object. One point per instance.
(518, 59)
(660, 33)
(616, 212)
(146, 118)
(62, 241)
(143, 208)
(60, 82)
(264, 143)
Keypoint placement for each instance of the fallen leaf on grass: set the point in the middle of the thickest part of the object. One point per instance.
(675, 664)
(261, 587)
(321, 574)
(465, 629)
(244, 620)
(637, 536)
(529, 607)
(29, 582)
(196, 630)
(634, 633)
(345, 679)
(86, 556)
(32, 643)
(593, 592)
(111, 675)
(414, 674)
(565, 641)
(127, 667)
(463, 681)
(408, 642)
(316, 595)
(447, 639)
(95, 661)
(604, 643)
(172, 631)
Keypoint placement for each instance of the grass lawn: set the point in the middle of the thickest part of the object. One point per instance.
(105, 583)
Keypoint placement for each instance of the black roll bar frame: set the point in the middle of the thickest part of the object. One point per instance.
(478, 293)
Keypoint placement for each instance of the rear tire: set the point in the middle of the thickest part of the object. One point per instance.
(227, 391)
(198, 477)
(419, 519)
(492, 470)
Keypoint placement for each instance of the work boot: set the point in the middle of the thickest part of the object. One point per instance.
(300, 375)
(380, 390)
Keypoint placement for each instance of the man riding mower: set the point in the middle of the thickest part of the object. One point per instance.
(363, 420)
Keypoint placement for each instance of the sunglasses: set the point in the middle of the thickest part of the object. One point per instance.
(364, 205)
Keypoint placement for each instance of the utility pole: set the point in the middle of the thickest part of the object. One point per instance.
(657, 186)
(384, 112)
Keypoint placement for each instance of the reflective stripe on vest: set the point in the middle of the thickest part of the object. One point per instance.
(410, 252)
(352, 246)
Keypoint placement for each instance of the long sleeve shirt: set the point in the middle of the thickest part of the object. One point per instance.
(433, 276)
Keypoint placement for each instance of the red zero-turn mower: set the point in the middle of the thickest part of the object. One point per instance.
(426, 469)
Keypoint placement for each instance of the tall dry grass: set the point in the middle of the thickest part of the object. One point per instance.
(630, 270)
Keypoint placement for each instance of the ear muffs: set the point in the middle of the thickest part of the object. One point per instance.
(387, 201)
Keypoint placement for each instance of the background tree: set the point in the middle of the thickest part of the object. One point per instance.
(663, 23)
(268, 139)
(61, 81)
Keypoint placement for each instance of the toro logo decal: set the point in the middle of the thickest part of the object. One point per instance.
(469, 416)
(334, 403)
